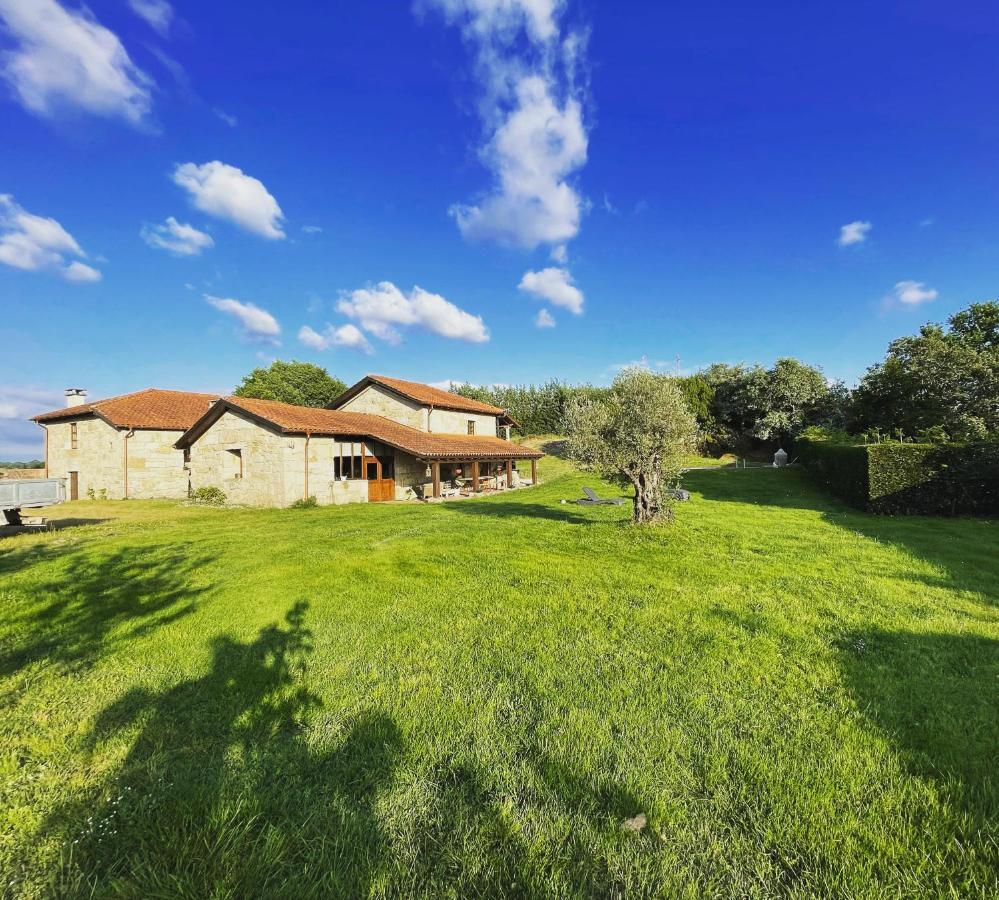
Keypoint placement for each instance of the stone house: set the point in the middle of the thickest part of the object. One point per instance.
(261, 452)
(424, 407)
(122, 446)
(383, 439)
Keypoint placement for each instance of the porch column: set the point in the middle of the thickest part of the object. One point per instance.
(509, 474)
(475, 476)
(435, 467)
(534, 471)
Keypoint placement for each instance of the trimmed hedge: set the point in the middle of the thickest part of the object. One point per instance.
(932, 479)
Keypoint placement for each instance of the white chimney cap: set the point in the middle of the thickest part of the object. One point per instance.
(76, 396)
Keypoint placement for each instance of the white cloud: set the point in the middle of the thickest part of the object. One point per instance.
(256, 323)
(532, 115)
(66, 58)
(554, 285)
(560, 254)
(483, 19)
(853, 233)
(335, 336)
(226, 192)
(312, 229)
(35, 243)
(230, 120)
(177, 237)
(912, 293)
(81, 273)
(157, 13)
(544, 319)
(381, 310)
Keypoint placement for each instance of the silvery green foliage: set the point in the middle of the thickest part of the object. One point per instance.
(638, 437)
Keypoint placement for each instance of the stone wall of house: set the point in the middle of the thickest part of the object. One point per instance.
(449, 421)
(381, 402)
(216, 456)
(409, 472)
(97, 458)
(155, 468)
(323, 484)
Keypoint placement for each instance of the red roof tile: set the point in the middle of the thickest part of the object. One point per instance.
(309, 420)
(152, 408)
(421, 393)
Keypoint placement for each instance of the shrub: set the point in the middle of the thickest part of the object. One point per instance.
(305, 503)
(840, 468)
(941, 479)
(210, 496)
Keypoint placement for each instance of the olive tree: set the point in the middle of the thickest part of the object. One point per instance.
(636, 436)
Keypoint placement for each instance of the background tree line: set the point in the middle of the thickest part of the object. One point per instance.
(939, 384)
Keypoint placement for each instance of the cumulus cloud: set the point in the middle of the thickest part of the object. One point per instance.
(535, 137)
(912, 293)
(554, 285)
(157, 13)
(227, 192)
(81, 273)
(335, 336)
(36, 243)
(177, 238)
(256, 323)
(853, 233)
(544, 319)
(384, 309)
(67, 59)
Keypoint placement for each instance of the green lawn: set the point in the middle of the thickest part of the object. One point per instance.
(473, 698)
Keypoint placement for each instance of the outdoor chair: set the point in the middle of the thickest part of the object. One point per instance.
(592, 499)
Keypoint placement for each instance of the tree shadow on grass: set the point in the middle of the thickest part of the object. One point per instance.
(471, 842)
(936, 698)
(220, 793)
(512, 509)
(90, 598)
(53, 525)
(963, 548)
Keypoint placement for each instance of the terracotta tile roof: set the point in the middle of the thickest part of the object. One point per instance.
(421, 393)
(152, 408)
(425, 445)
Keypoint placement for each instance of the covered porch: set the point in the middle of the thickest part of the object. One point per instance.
(453, 478)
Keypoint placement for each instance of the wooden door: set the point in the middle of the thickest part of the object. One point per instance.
(74, 485)
(381, 489)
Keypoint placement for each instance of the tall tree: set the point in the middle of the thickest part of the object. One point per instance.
(299, 383)
(636, 436)
(941, 378)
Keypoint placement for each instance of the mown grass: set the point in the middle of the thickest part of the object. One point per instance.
(472, 699)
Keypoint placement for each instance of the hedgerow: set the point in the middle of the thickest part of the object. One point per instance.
(933, 479)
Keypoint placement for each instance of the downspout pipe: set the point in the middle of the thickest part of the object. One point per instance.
(124, 455)
(308, 436)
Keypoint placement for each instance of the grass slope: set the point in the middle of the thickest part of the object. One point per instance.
(472, 699)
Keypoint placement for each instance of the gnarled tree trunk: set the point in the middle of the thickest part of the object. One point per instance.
(648, 504)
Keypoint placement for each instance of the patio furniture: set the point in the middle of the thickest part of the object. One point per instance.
(592, 499)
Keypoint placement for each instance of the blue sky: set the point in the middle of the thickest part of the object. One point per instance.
(491, 190)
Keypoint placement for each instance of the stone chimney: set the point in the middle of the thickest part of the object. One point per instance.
(75, 396)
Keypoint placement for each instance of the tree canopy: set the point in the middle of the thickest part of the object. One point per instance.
(302, 384)
(941, 378)
(636, 435)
